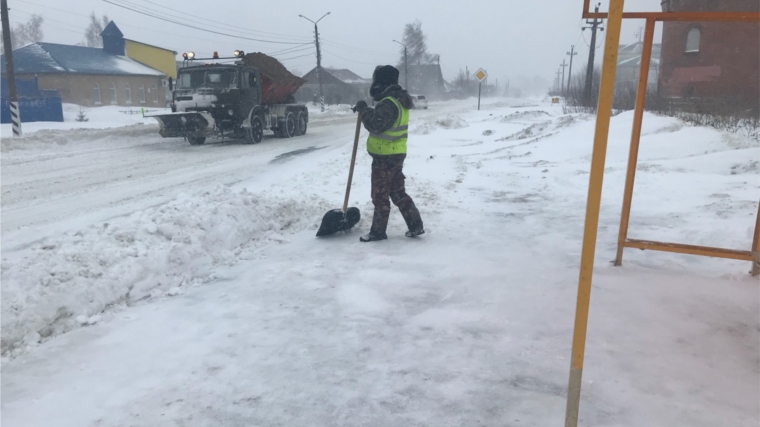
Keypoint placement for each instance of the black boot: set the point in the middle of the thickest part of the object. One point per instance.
(414, 233)
(415, 229)
(372, 236)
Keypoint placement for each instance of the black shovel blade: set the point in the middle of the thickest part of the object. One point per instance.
(336, 220)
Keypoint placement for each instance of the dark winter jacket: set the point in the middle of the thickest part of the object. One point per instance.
(385, 113)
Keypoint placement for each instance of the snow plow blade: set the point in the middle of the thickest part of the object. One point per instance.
(193, 124)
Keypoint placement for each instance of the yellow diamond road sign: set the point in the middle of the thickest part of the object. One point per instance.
(480, 75)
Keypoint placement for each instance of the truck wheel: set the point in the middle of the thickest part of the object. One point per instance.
(302, 124)
(196, 140)
(289, 130)
(255, 133)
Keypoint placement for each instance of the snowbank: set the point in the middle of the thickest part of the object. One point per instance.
(104, 117)
(106, 121)
(49, 139)
(449, 121)
(80, 274)
(477, 312)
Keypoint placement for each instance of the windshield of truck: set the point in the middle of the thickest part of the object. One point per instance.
(216, 79)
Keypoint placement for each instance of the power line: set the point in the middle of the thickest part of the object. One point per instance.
(226, 24)
(44, 25)
(588, 45)
(195, 27)
(350, 60)
(301, 48)
(80, 32)
(45, 20)
(299, 56)
(358, 49)
(205, 23)
(131, 26)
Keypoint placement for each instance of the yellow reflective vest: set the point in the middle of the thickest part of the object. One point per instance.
(393, 140)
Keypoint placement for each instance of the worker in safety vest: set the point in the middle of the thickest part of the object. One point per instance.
(388, 124)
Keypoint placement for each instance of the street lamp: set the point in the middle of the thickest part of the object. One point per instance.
(406, 70)
(319, 59)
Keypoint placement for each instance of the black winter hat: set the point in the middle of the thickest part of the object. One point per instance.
(385, 75)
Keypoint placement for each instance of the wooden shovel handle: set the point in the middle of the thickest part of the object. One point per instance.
(353, 161)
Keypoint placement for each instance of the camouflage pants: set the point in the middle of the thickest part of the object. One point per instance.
(388, 183)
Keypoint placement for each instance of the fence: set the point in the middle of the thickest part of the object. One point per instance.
(34, 110)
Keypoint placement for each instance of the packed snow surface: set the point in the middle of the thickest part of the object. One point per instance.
(147, 282)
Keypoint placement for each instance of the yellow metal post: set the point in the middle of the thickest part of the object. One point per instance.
(633, 154)
(756, 245)
(593, 204)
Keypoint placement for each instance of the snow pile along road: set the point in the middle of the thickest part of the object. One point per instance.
(470, 324)
(50, 139)
(103, 117)
(79, 274)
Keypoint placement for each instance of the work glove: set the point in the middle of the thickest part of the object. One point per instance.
(360, 106)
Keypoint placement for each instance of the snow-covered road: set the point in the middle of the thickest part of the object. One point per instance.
(80, 176)
(194, 293)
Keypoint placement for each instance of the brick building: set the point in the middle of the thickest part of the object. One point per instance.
(707, 61)
(98, 76)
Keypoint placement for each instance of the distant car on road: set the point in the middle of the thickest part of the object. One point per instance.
(420, 102)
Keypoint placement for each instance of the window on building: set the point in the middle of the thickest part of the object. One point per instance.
(692, 40)
(141, 94)
(155, 93)
(127, 94)
(114, 97)
(96, 94)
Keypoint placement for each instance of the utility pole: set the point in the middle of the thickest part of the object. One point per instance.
(563, 65)
(639, 34)
(406, 66)
(595, 25)
(572, 53)
(319, 59)
(467, 70)
(12, 95)
(556, 81)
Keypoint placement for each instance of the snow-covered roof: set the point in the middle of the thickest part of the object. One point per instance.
(347, 76)
(336, 76)
(52, 58)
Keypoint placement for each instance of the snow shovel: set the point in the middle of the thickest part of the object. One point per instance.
(343, 219)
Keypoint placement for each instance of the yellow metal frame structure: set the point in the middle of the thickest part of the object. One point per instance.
(615, 18)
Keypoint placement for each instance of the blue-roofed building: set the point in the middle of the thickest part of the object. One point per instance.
(92, 76)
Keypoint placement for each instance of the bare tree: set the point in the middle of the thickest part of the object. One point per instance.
(92, 32)
(415, 39)
(462, 86)
(33, 29)
(29, 32)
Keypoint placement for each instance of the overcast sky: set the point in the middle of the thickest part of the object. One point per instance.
(509, 38)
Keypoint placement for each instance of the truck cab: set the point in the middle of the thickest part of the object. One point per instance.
(227, 92)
